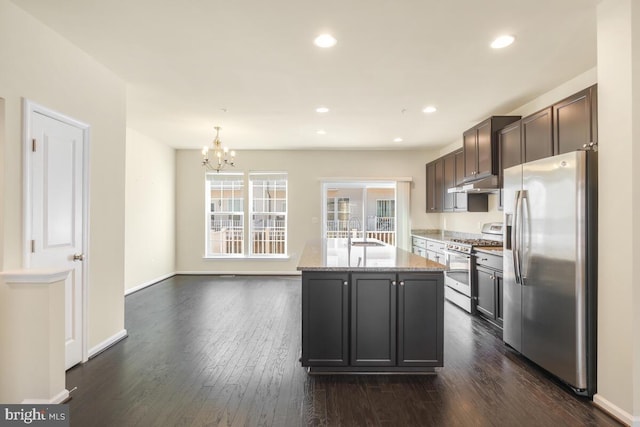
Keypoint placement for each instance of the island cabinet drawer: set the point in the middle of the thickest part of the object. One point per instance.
(372, 321)
(489, 260)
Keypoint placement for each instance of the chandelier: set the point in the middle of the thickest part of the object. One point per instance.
(222, 157)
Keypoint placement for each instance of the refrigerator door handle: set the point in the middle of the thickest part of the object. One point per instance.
(525, 241)
(515, 238)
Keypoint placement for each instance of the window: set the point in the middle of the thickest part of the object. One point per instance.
(385, 214)
(360, 208)
(225, 214)
(338, 213)
(268, 214)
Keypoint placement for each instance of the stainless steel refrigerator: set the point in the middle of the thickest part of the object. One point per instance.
(550, 265)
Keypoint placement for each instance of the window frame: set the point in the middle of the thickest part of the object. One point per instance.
(251, 178)
(209, 213)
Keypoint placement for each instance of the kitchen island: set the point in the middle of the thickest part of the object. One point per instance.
(370, 307)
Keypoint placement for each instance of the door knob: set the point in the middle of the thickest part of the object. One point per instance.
(78, 257)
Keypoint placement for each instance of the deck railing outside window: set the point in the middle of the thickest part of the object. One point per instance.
(381, 228)
(226, 236)
(269, 236)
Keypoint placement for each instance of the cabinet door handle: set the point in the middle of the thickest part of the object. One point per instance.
(345, 283)
(393, 283)
(402, 283)
(484, 259)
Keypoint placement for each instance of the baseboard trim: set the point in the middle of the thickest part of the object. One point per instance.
(148, 283)
(94, 351)
(239, 273)
(615, 411)
(58, 398)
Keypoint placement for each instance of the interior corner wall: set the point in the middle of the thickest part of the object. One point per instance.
(150, 211)
(40, 65)
(618, 287)
(305, 169)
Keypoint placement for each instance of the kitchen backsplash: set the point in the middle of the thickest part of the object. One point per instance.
(471, 222)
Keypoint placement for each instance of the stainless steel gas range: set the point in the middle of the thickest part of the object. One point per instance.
(458, 278)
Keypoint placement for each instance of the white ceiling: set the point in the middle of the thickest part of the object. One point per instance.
(251, 67)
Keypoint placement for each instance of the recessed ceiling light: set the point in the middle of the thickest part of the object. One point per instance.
(325, 40)
(321, 132)
(502, 41)
(322, 110)
(430, 109)
(397, 139)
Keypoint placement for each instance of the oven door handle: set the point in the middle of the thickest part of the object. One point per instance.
(460, 254)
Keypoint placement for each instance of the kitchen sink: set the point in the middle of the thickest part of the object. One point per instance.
(367, 243)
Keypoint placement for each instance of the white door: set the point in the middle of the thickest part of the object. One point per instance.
(56, 176)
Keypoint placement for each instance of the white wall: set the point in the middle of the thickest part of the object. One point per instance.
(305, 168)
(619, 204)
(150, 211)
(40, 65)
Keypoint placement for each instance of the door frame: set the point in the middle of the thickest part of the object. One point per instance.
(29, 108)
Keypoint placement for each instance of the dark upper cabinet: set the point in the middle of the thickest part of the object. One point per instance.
(509, 151)
(459, 155)
(453, 175)
(325, 319)
(460, 199)
(575, 121)
(510, 147)
(480, 146)
(431, 187)
(435, 186)
(449, 167)
(537, 135)
(470, 150)
(485, 150)
(439, 187)
(373, 319)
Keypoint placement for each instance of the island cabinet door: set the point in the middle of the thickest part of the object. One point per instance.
(325, 319)
(373, 319)
(420, 319)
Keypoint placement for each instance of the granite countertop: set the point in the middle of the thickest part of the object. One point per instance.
(444, 235)
(490, 250)
(334, 255)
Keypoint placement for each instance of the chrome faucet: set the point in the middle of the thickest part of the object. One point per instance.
(356, 221)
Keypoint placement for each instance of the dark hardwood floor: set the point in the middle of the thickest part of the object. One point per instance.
(212, 351)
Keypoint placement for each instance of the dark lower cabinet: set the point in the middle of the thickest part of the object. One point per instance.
(420, 320)
(325, 319)
(489, 297)
(486, 302)
(372, 321)
(499, 299)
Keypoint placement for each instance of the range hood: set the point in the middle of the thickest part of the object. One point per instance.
(483, 185)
